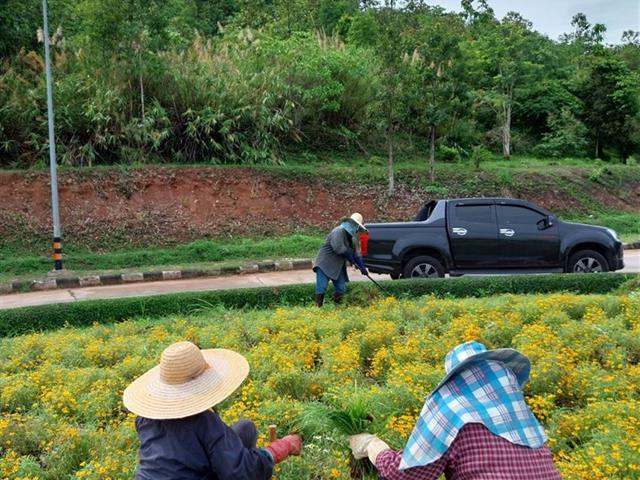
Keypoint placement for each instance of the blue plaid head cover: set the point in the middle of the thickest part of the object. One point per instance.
(481, 386)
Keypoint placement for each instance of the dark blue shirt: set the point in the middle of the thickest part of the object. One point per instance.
(200, 447)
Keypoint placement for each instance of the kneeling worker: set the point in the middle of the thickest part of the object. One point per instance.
(181, 436)
(475, 425)
(341, 245)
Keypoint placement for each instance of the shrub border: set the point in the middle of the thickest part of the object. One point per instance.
(83, 313)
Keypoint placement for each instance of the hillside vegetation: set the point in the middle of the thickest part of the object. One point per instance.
(239, 82)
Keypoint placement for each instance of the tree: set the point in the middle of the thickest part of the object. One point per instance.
(435, 75)
(611, 95)
(629, 50)
(390, 107)
(507, 54)
(129, 30)
(363, 30)
(586, 38)
(332, 11)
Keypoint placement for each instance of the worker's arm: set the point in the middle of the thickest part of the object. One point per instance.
(387, 461)
(229, 458)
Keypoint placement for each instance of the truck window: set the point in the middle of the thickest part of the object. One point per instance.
(474, 213)
(425, 212)
(513, 215)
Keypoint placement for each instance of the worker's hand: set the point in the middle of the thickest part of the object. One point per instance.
(366, 445)
(359, 444)
(282, 448)
(361, 266)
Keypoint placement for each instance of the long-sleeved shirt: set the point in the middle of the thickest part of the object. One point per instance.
(200, 447)
(476, 454)
(333, 255)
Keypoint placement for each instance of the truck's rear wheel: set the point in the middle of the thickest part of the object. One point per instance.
(423, 266)
(587, 261)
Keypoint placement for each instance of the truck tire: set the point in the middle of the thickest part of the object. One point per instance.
(587, 261)
(423, 266)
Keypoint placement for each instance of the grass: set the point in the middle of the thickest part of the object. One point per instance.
(198, 254)
(627, 225)
(347, 167)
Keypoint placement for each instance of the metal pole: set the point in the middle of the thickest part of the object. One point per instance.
(57, 247)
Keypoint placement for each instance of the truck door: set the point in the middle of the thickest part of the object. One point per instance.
(524, 240)
(473, 233)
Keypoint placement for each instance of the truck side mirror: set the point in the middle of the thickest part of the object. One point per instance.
(545, 223)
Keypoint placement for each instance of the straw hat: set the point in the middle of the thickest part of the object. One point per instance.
(358, 219)
(187, 381)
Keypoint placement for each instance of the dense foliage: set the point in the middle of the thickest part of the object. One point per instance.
(62, 414)
(243, 81)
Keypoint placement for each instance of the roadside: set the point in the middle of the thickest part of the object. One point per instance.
(270, 279)
(127, 276)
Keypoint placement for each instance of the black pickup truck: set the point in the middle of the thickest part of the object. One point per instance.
(488, 235)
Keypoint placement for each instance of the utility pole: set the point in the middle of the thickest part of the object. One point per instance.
(57, 245)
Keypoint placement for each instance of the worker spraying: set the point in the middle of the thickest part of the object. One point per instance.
(342, 245)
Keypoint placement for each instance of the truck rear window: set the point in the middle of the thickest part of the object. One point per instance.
(474, 213)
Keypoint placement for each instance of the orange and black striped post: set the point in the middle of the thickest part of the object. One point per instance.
(57, 253)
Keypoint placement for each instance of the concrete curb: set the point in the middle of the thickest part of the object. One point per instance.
(152, 276)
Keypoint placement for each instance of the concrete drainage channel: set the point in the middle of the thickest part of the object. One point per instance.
(68, 282)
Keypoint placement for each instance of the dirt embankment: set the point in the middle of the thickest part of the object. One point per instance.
(155, 206)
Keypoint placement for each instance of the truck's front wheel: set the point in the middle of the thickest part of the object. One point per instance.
(423, 266)
(587, 261)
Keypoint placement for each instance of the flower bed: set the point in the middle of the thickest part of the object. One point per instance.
(61, 414)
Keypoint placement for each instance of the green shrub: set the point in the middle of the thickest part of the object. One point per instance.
(480, 154)
(449, 154)
(45, 317)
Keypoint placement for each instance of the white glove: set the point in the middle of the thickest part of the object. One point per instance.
(366, 445)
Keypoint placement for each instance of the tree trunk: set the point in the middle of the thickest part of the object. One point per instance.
(432, 153)
(506, 127)
(597, 145)
(142, 95)
(390, 159)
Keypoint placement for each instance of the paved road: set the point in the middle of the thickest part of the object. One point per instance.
(632, 260)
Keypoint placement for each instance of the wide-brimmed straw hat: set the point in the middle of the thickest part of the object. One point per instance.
(466, 354)
(357, 219)
(187, 381)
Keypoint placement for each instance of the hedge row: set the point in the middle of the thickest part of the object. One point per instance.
(29, 319)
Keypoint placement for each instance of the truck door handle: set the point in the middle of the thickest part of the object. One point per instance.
(507, 232)
(460, 231)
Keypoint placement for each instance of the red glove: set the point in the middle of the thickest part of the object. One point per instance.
(282, 448)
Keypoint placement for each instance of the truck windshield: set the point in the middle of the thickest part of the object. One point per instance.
(425, 212)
